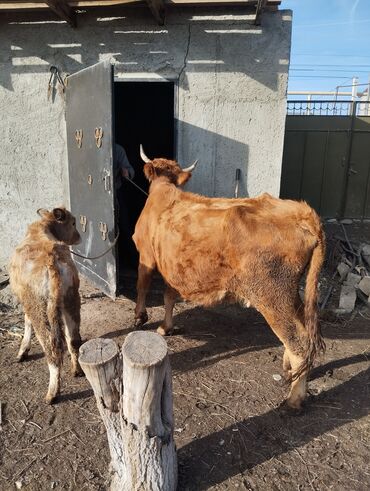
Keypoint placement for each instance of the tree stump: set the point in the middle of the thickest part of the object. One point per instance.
(133, 391)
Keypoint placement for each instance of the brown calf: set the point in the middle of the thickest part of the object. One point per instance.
(44, 278)
(253, 251)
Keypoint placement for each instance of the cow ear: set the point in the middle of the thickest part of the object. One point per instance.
(183, 178)
(42, 212)
(59, 214)
(149, 171)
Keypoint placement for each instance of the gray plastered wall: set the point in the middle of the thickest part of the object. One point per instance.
(231, 102)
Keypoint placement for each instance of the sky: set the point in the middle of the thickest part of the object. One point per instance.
(330, 43)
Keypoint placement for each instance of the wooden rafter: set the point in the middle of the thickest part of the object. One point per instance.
(42, 5)
(63, 10)
(261, 4)
(157, 9)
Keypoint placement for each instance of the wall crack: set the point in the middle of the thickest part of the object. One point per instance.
(186, 53)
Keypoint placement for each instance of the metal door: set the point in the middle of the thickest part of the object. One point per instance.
(89, 104)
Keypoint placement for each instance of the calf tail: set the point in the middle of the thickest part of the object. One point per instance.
(54, 314)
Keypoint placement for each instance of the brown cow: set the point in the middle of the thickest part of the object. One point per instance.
(44, 278)
(253, 251)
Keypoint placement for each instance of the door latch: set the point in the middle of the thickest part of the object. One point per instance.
(89, 180)
(106, 180)
(104, 230)
(78, 136)
(83, 222)
(98, 136)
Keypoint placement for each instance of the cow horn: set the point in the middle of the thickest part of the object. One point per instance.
(191, 167)
(143, 156)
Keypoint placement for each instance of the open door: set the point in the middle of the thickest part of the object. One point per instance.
(89, 116)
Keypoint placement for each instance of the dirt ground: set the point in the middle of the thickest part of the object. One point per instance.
(230, 430)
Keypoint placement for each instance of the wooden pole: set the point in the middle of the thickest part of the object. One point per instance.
(133, 390)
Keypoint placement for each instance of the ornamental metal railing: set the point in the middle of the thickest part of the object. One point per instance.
(328, 108)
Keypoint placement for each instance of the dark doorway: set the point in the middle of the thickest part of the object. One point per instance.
(143, 114)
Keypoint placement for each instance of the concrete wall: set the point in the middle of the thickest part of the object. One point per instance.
(232, 79)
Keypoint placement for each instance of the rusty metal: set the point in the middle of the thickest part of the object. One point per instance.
(104, 230)
(83, 222)
(79, 136)
(99, 136)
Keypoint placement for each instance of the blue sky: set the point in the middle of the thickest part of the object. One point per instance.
(330, 43)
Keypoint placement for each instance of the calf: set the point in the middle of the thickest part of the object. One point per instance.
(253, 251)
(44, 278)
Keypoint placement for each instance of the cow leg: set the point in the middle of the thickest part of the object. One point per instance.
(170, 296)
(26, 341)
(71, 317)
(143, 283)
(291, 332)
(286, 364)
(54, 365)
(54, 383)
(54, 360)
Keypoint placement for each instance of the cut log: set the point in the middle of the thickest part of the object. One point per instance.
(136, 382)
(100, 361)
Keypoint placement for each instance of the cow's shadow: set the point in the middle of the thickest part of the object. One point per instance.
(260, 438)
(222, 332)
(225, 331)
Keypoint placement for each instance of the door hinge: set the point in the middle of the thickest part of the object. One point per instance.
(83, 222)
(104, 230)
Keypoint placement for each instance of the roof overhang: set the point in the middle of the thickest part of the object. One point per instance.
(69, 10)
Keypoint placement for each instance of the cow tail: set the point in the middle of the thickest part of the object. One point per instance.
(54, 314)
(316, 344)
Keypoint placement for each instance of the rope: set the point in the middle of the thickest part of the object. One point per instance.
(136, 186)
(100, 255)
(115, 240)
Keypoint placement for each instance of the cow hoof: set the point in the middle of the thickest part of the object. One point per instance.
(140, 320)
(77, 372)
(21, 358)
(163, 332)
(286, 409)
(50, 399)
(294, 405)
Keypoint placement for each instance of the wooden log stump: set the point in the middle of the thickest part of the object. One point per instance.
(133, 390)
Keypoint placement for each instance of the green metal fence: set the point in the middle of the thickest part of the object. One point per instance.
(326, 159)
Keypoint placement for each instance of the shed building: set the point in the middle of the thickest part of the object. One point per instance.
(189, 81)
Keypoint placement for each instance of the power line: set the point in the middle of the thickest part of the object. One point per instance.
(353, 85)
(325, 71)
(331, 65)
(316, 76)
(331, 55)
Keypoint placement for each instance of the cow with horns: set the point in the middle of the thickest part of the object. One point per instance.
(253, 251)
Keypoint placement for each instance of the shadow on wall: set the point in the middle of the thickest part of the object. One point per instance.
(219, 157)
(201, 43)
(144, 115)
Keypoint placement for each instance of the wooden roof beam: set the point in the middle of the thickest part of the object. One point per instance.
(157, 9)
(261, 4)
(63, 10)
